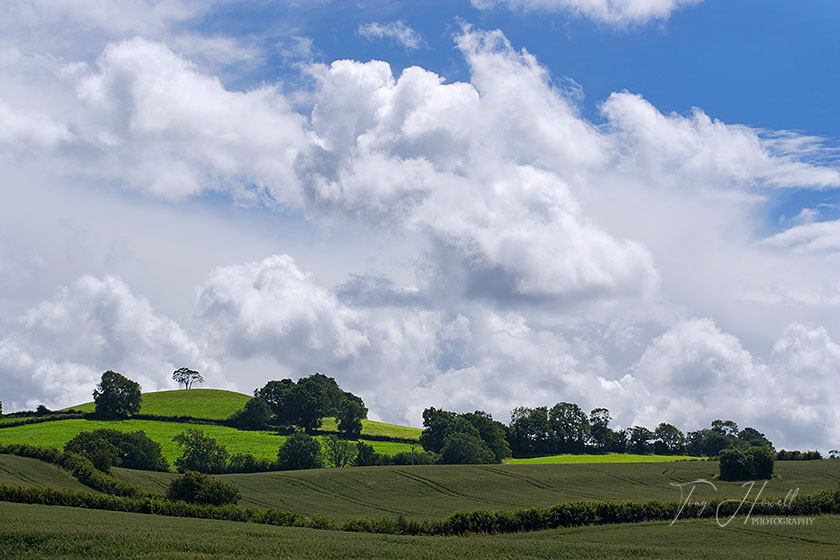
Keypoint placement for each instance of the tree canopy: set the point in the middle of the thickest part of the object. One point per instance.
(300, 451)
(187, 377)
(201, 453)
(116, 396)
(306, 402)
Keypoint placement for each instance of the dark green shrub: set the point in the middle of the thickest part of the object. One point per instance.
(113, 448)
(463, 448)
(247, 463)
(761, 461)
(255, 415)
(300, 451)
(201, 453)
(100, 451)
(199, 488)
(734, 465)
(365, 455)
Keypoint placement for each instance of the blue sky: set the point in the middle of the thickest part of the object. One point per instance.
(467, 205)
(769, 65)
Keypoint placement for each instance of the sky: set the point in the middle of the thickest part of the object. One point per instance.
(485, 204)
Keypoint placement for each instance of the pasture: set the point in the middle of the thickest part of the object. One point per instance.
(260, 443)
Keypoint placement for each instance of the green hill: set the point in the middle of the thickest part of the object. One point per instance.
(198, 403)
(217, 404)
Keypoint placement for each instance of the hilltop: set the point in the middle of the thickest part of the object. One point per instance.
(218, 404)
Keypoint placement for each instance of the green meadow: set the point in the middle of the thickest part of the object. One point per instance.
(260, 443)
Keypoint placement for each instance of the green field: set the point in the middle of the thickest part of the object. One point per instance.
(22, 471)
(42, 532)
(608, 458)
(372, 428)
(10, 419)
(198, 403)
(218, 405)
(259, 443)
(426, 492)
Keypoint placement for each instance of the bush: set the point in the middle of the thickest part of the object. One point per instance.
(340, 452)
(199, 488)
(255, 415)
(247, 463)
(754, 463)
(112, 448)
(466, 449)
(300, 451)
(201, 453)
(365, 455)
(100, 451)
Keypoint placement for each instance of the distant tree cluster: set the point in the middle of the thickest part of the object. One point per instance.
(471, 438)
(306, 402)
(565, 428)
(112, 448)
(753, 463)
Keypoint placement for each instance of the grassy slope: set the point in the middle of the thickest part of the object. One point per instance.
(43, 532)
(608, 458)
(199, 403)
(436, 491)
(260, 443)
(218, 405)
(22, 471)
(372, 428)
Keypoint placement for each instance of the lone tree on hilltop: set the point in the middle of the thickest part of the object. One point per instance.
(187, 377)
(116, 396)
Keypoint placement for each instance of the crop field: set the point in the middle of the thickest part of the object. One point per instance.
(22, 471)
(426, 492)
(607, 458)
(259, 443)
(42, 532)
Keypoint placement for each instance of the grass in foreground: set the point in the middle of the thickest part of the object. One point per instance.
(427, 492)
(607, 458)
(50, 532)
(259, 443)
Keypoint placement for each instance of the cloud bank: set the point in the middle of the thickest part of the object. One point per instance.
(523, 254)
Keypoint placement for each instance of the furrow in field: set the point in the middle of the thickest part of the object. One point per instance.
(438, 487)
(526, 479)
(334, 494)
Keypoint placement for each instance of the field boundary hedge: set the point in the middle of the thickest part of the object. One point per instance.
(458, 524)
